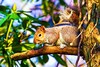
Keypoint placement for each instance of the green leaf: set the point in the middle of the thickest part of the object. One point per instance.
(24, 63)
(4, 10)
(41, 60)
(23, 47)
(36, 20)
(43, 23)
(1, 53)
(27, 25)
(14, 16)
(1, 61)
(30, 17)
(31, 45)
(30, 29)
(45, 58)
(59, 59)
(62, 2)
(6, 55)
(24, 23)
(32, 64)
(45, 6)
(27, 47)
(4, 19)
(88, 55)
(3, 30)
(14, 8)
(75, 2)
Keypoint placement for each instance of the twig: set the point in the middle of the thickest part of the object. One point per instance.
(84, 18)
(95, 65)
(79, 48)
(92, 48)
(24, 5)
(94, 27)
(90, 59)
(78, 36)
(70, 62)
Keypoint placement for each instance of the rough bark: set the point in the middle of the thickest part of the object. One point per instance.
(45, 50)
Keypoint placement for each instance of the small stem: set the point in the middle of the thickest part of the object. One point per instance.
(9, 29)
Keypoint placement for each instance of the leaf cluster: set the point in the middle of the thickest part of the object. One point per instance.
(16, 28)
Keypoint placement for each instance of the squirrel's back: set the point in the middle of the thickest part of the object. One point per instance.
(56, 35)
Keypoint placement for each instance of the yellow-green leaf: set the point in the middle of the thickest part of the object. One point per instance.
(14, 8)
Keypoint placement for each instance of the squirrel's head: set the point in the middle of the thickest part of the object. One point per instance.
(39, 35)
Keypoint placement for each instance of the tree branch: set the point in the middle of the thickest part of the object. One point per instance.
(45, 50)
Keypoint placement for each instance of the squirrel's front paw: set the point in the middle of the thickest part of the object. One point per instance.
(49, 44)
(62, 45)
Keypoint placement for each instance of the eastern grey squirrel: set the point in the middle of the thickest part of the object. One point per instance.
(58, 35)
(64, 33)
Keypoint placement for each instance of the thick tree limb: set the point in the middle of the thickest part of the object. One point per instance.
(45, 50)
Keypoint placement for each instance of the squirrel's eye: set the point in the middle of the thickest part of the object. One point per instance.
(39, 35)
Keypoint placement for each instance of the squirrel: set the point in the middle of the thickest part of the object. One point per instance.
(64, 35)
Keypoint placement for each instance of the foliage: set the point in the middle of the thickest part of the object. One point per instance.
(15, 38)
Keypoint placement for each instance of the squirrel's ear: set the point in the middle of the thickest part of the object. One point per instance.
(42, 28)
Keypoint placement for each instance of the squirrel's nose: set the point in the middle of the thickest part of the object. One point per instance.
(34, 41)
